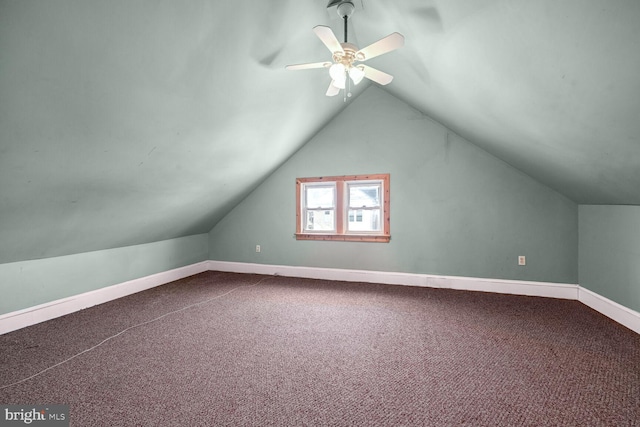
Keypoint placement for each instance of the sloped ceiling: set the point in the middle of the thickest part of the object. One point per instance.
(127, 122)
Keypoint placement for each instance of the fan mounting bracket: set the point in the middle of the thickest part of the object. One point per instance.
(334, 6)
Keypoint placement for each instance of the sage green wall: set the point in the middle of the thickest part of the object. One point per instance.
(609, 252)
(455, 209)
(25, 284)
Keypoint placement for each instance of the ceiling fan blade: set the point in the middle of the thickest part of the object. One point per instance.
(332, 90)
(328, 38)
(377, 76)
(392, 42)
(308, 66)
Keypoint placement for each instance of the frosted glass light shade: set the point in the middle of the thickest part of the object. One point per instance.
(337, 73)
(356, 74)
(340, 84)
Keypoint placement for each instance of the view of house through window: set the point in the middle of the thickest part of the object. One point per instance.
(354, 208)
(365, 206)
(320, 207)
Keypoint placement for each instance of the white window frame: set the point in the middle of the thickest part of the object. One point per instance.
(348, 206)
(306, 209)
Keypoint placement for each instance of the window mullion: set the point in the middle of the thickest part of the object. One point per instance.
(340, 207)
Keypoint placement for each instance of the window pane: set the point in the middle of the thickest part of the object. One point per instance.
(364, 196)
(320, 221)
(320, 196)
(364, 220)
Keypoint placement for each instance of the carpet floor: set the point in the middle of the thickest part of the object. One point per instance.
(237, 349)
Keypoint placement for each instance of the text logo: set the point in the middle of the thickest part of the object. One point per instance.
(34, 415)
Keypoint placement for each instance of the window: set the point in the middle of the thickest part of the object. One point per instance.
(353, 208)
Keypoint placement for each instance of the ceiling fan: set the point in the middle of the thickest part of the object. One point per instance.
(346, 55)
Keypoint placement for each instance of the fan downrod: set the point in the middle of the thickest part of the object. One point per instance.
(345, 10)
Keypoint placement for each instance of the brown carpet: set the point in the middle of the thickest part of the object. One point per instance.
(263, 350)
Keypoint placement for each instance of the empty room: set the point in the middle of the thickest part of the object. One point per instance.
(314, 212)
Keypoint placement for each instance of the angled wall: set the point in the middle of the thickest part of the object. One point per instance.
(455, 209)
(609, 252)
(26, 284)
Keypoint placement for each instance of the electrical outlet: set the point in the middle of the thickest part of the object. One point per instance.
(522, 260)
(257, 248)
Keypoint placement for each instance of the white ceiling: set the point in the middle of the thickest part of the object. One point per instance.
(128, 122)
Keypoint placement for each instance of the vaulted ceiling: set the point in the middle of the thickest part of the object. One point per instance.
(126, 122)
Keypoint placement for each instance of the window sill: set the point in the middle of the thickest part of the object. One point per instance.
(378, 238)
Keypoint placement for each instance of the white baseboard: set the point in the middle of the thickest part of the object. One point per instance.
(43, 312)
(517, 287)
(50, 310)
(621, 314)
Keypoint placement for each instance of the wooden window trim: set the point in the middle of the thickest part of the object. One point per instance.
(341, 234)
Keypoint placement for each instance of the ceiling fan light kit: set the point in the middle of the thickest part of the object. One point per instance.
(344, 69)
